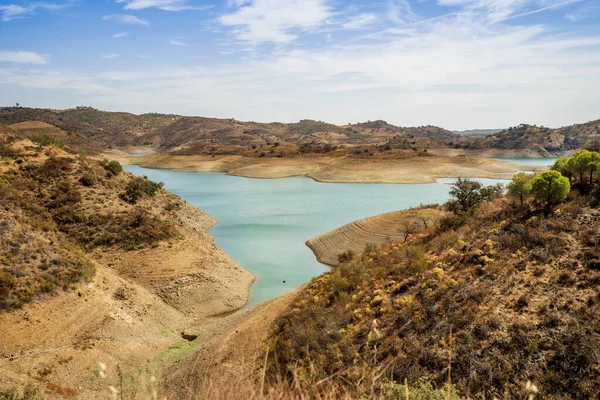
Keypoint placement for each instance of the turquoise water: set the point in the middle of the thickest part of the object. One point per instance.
(538, 162)
(263, 223)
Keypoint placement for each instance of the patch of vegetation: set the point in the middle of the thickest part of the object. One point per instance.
(499, 285)
(113, 168)
(29, 393)
(88, 179)
(307, 126)
(46, 140)
(7, 149)
(131, 231)
(137, 187)
(53, 209)
(466, 195)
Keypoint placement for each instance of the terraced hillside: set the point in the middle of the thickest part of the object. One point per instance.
(372, 231)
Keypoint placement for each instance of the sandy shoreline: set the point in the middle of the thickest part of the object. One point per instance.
(334, 169)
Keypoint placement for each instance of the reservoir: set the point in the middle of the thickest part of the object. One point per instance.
(264, 223)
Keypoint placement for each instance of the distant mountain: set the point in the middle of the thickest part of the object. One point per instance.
(95, 130)
(546, 141)
(92, 129)
(478, 131)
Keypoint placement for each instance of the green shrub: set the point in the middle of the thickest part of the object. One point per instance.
(45, 140)
(420, 390)
(520, 186)
(137, 187)
(112, 167)
(29, 393)
(345, 256)
(88, 179)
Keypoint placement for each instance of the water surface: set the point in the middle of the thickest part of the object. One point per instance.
(264, 223)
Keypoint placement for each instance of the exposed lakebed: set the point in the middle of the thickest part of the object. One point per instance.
(264, 223)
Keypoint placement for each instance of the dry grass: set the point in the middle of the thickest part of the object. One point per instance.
(50, 216)
(519, 290)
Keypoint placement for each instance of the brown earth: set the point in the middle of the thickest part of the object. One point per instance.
(376, 230)
(130, 317)
(333, 169)
(227, 361)
(132, 314)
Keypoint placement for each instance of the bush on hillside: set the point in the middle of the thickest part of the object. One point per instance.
(466, 195)
(137, 187)
(45, 140)
(112, 167)
(88, 179)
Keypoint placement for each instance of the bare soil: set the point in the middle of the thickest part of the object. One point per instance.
(334, 169)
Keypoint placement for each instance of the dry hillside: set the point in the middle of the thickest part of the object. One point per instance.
(504, 297)
(98, 266)
(546, 142)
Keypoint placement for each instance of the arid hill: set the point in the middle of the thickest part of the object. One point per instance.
(503, 297)
(166, 132)
(98, 266)
(92, 130)
(546, 142)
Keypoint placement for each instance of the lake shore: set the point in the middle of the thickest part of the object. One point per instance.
(332, 169)
(376, 230)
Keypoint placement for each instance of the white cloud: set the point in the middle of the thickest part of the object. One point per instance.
(465, 69)
(177, 42)
(276, 21)
(360, 21)
(125, 19)
(587, 11)
(23, 57)
(167, 5)
(495, 11)
(13, 11)
(52, 80)
(120, 34)
(110, 56)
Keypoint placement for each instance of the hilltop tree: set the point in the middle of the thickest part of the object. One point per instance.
(520, 186)
(550, 187)
(466, 195)
(593, 164)
(563, 166)
(578, 163)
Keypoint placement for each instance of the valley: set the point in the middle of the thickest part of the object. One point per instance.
(111, 279)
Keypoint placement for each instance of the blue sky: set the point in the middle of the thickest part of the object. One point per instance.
(454, 63)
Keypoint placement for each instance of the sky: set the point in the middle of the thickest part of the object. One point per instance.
(458, 64)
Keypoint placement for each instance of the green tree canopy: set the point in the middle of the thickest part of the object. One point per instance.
(578, 163)
(520, 186)
(563, 166)
(550, 187)
(467, 194)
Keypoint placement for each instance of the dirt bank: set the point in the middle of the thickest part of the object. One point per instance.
(130, 317)
(226, 361)
(334, 169)
(379, 229)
